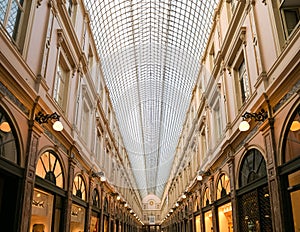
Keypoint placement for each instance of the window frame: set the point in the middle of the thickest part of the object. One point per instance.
(283, 7)
(240, 59)
(20, 33)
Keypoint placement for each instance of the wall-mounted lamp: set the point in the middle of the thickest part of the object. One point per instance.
(258, 117)
(296, 124)
(5, 127)
(101, 175)
(118, 198)
(44, 118)
(200, 176)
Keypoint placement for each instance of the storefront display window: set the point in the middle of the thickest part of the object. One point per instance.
(224, 211)
(254, 205)
(294, 185)
(77, 218)
(208, 221)
(225, 218)
(105, 224)
(197, 223)
(42, 206)
(94, 223)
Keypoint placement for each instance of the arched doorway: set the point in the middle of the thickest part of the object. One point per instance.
(290, 173)
(79, 204)
(10, 174)
(224, 204)
(95, 217)
(48, 194)
(253, 194)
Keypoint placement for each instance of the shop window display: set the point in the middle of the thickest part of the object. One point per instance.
(224, 211)
(225, 218)
(294, 185)
(42, 207)
(198, 223)
(208, 221)
(94, 224)
(77, 218)
(290, 173)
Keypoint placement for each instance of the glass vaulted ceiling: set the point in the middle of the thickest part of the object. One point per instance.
(150, 52)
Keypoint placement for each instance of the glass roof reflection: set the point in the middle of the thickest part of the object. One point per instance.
(150, 52)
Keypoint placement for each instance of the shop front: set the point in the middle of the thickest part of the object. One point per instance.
(207, 210)
(224, 209)
(290, 172)
(253, 194)
(11, 174)
(48, 195)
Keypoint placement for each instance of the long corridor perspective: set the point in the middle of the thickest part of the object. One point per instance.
(150, 115)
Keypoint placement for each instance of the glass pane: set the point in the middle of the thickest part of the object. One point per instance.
(197, 223)
(79, 187)
(8, 148)
(292, 149)
(208, 221)
(206, 197)
(294, 179)
(77, 218)
(253, 167)
(94, 224)
(223, 186)
(225, 218)
(49, 167)
(41, 215)
(295, 196)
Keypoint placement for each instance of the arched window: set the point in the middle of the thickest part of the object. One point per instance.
(105, 207)
(206, 197)
(253, 167)
(290, 172)
(223, 187)
(79, 189)
(8, 139)
(49, 168)
(292, 139)
(95, 198)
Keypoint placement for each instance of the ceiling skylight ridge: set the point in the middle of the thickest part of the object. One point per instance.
(139, 97)
(162, 99)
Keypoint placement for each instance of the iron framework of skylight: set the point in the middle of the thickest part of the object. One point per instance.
(150, 53)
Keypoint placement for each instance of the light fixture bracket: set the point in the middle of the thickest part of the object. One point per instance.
(261, 116)
(44, 118)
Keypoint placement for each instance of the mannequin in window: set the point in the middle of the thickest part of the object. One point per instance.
(38, 228)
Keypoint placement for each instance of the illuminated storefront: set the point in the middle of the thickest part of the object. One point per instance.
(208, 220)
(224, 209)
(48, 194)
(290, 172)
(95, 217)
(10, 173)
(78, 206)
(253, 194)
